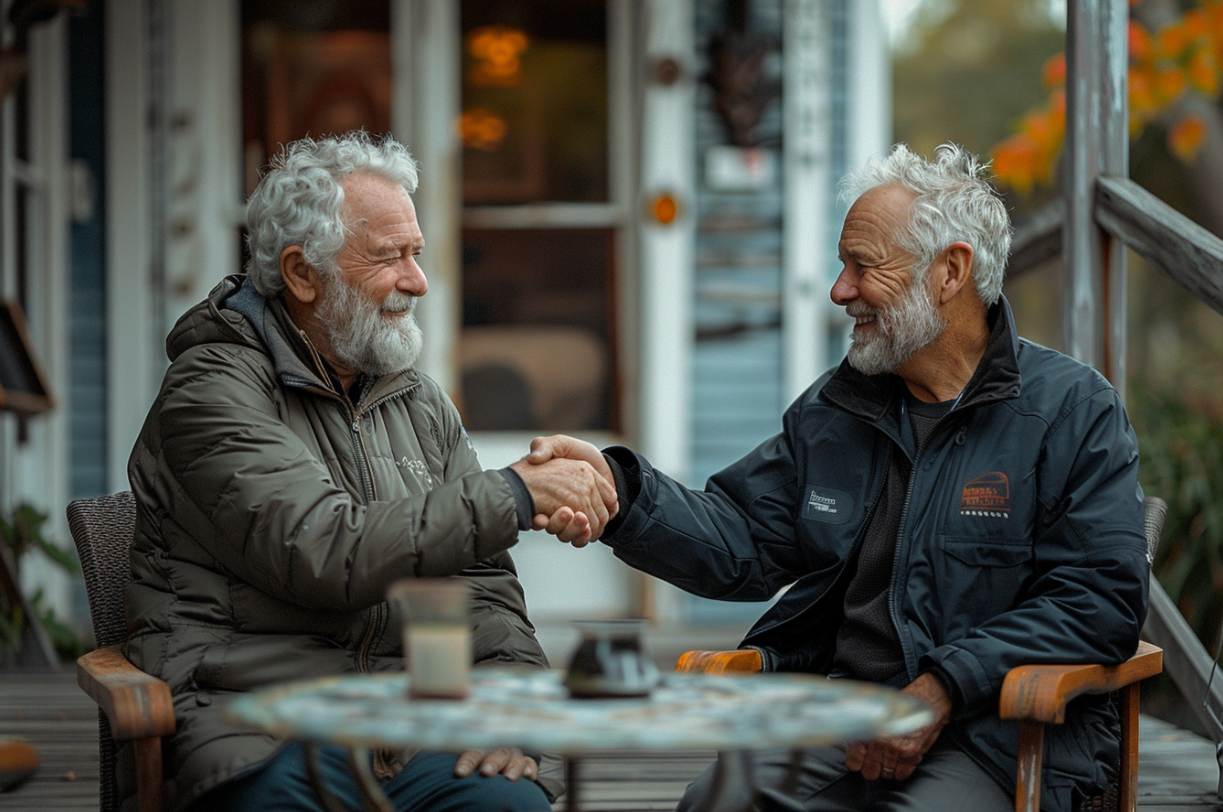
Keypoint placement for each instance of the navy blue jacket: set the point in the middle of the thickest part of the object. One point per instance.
(1021, 539)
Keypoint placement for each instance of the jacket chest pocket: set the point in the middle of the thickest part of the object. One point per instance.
(978, 577)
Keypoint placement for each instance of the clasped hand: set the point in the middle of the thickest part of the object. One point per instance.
(575, 496)
(894, 758)
(508, 761)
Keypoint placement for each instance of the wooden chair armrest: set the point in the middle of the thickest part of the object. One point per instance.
(742, 661)
(1040, 692)
(137, 704)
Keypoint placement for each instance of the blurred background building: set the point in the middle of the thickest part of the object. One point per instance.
(630, 209)
(621, 243)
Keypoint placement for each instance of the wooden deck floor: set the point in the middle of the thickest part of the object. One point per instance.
(1177, 769)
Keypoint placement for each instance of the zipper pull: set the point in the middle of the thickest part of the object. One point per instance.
(356, 426)
(961, 435)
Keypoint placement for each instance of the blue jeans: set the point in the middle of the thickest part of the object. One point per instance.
(427, 784)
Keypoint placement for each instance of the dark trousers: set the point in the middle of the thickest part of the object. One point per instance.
(427, 784)
(947, 780)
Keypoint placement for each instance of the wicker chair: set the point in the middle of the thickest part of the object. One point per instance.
(1037, 695)
(132, 705)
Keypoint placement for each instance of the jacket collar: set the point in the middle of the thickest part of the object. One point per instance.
(996, 378)
(295, 359)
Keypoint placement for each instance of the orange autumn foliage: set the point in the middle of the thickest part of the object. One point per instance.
(1186, 136)
(1184, 57)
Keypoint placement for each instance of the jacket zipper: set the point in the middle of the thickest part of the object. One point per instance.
(900, 533)
(378, 615)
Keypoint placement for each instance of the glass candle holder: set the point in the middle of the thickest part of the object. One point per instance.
(436, 636)
(609, 661)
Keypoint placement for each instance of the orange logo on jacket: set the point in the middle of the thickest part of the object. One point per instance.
(987, 495)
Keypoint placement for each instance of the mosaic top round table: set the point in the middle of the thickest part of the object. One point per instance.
(531, 709)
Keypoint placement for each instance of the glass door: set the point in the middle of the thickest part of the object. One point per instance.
(537, 348)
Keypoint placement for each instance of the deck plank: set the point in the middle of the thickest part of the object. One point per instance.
(1177, 769)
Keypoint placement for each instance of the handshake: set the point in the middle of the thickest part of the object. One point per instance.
(575, 496)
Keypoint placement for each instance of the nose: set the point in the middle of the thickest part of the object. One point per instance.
(845, 289)
(412, 279)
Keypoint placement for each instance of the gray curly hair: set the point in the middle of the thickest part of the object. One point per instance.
(955, 202)
(298, 200)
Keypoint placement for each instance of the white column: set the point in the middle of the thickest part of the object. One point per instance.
(42, 462)
(668, 251)
(807, 186)
(205, 186)
(425, 64)
(870, 83)
(133, 354)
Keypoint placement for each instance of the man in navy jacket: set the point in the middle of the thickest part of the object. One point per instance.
(951, 502)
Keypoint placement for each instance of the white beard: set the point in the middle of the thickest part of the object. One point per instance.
(899, 332)
(362, 336)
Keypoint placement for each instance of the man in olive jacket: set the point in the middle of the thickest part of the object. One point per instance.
(295, 465)
(951, 502)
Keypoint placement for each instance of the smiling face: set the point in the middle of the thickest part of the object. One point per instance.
(894, 317)
(367, 305)
(384, 239)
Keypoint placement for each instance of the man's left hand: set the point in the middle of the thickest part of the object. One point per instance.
(893, 758)
(509, 761)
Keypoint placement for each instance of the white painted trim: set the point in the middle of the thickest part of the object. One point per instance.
(807, 183)
(133, 356)
(623, 93)
(545, 215)
(870, 83)
(9, 174)
(425, 80)
(204, 194)
(42, 463)
(668, 252)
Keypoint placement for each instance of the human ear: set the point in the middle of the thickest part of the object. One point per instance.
(957, 260)
(301, 280)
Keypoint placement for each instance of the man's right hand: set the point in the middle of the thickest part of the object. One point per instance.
(563, 524)
(572, 494)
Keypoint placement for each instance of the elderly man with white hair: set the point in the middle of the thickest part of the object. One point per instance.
(294, 465)
(949, 503)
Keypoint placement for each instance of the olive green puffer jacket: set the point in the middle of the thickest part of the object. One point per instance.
(272, 515)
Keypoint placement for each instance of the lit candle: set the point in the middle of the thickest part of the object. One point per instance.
(439, 659)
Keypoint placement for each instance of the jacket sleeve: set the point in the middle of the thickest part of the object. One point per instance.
(733, 541)
(1087, 597)
(262, 503)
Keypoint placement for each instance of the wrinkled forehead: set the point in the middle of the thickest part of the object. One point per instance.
(367, 193)
(890, 203)
(878, 216)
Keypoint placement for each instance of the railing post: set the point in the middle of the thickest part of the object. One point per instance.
(1094, 274)
(1115, 161)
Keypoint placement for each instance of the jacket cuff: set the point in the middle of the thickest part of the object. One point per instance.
(953, 691)
(522, 497)
(627, 480)
(968, 684)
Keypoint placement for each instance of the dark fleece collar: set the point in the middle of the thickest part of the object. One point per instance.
(996, 377)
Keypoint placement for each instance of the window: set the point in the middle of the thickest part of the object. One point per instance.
(537, 350)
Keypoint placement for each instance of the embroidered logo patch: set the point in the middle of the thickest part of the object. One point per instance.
(419, 469)
(988, 495)
(828, 505)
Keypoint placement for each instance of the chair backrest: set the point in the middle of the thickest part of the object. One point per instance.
(1156, 512)
(102, 529)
